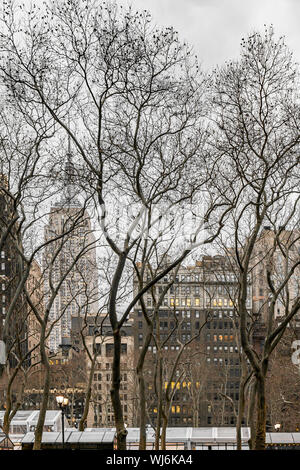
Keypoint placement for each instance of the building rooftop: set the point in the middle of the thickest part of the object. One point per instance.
(23, 417)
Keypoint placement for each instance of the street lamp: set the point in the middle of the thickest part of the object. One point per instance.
(277, 427)
(62, 403)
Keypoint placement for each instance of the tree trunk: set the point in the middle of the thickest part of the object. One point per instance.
(241, 409)
(195, 418)
(159, 404)
(142, 393)
(260, 438)
(43, 409)
(158, 426)
(164, 431)
(142, 399)
(251, 415)
(8, 415)
(18, 404)
(115, 393)
(72, 408)
(241, 405)
(6, 418)
(88, 394)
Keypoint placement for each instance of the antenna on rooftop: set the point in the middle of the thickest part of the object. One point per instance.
(69, 191)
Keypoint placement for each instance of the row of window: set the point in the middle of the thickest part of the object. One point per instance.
(98, 377)
(164, 325)
(227, 420)
(183, 338)
(220, 338)
(220, 289)
(222, 348)
(106, 398)
(153, 349)
(187, 337)
(228, 277)
(221, 325)
(219, 360)
(192, 313)
(109, 349)
(196, 301)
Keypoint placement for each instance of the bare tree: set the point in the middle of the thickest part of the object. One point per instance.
(257, 132)
(133, 95)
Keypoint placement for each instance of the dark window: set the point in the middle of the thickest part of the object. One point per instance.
(97, 348)
(109, 348)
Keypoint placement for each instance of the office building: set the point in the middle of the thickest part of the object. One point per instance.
(206, 380)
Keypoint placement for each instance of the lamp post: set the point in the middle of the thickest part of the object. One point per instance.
(62, 403)
(277, 427)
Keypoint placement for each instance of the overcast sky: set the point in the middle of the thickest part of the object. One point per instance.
(215, 27)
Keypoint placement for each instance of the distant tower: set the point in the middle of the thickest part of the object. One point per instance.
(70, 189)
(78, 293)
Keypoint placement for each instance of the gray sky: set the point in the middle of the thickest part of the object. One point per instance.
(215, 27)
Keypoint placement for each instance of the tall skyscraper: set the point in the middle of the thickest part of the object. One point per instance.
(74, 248)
